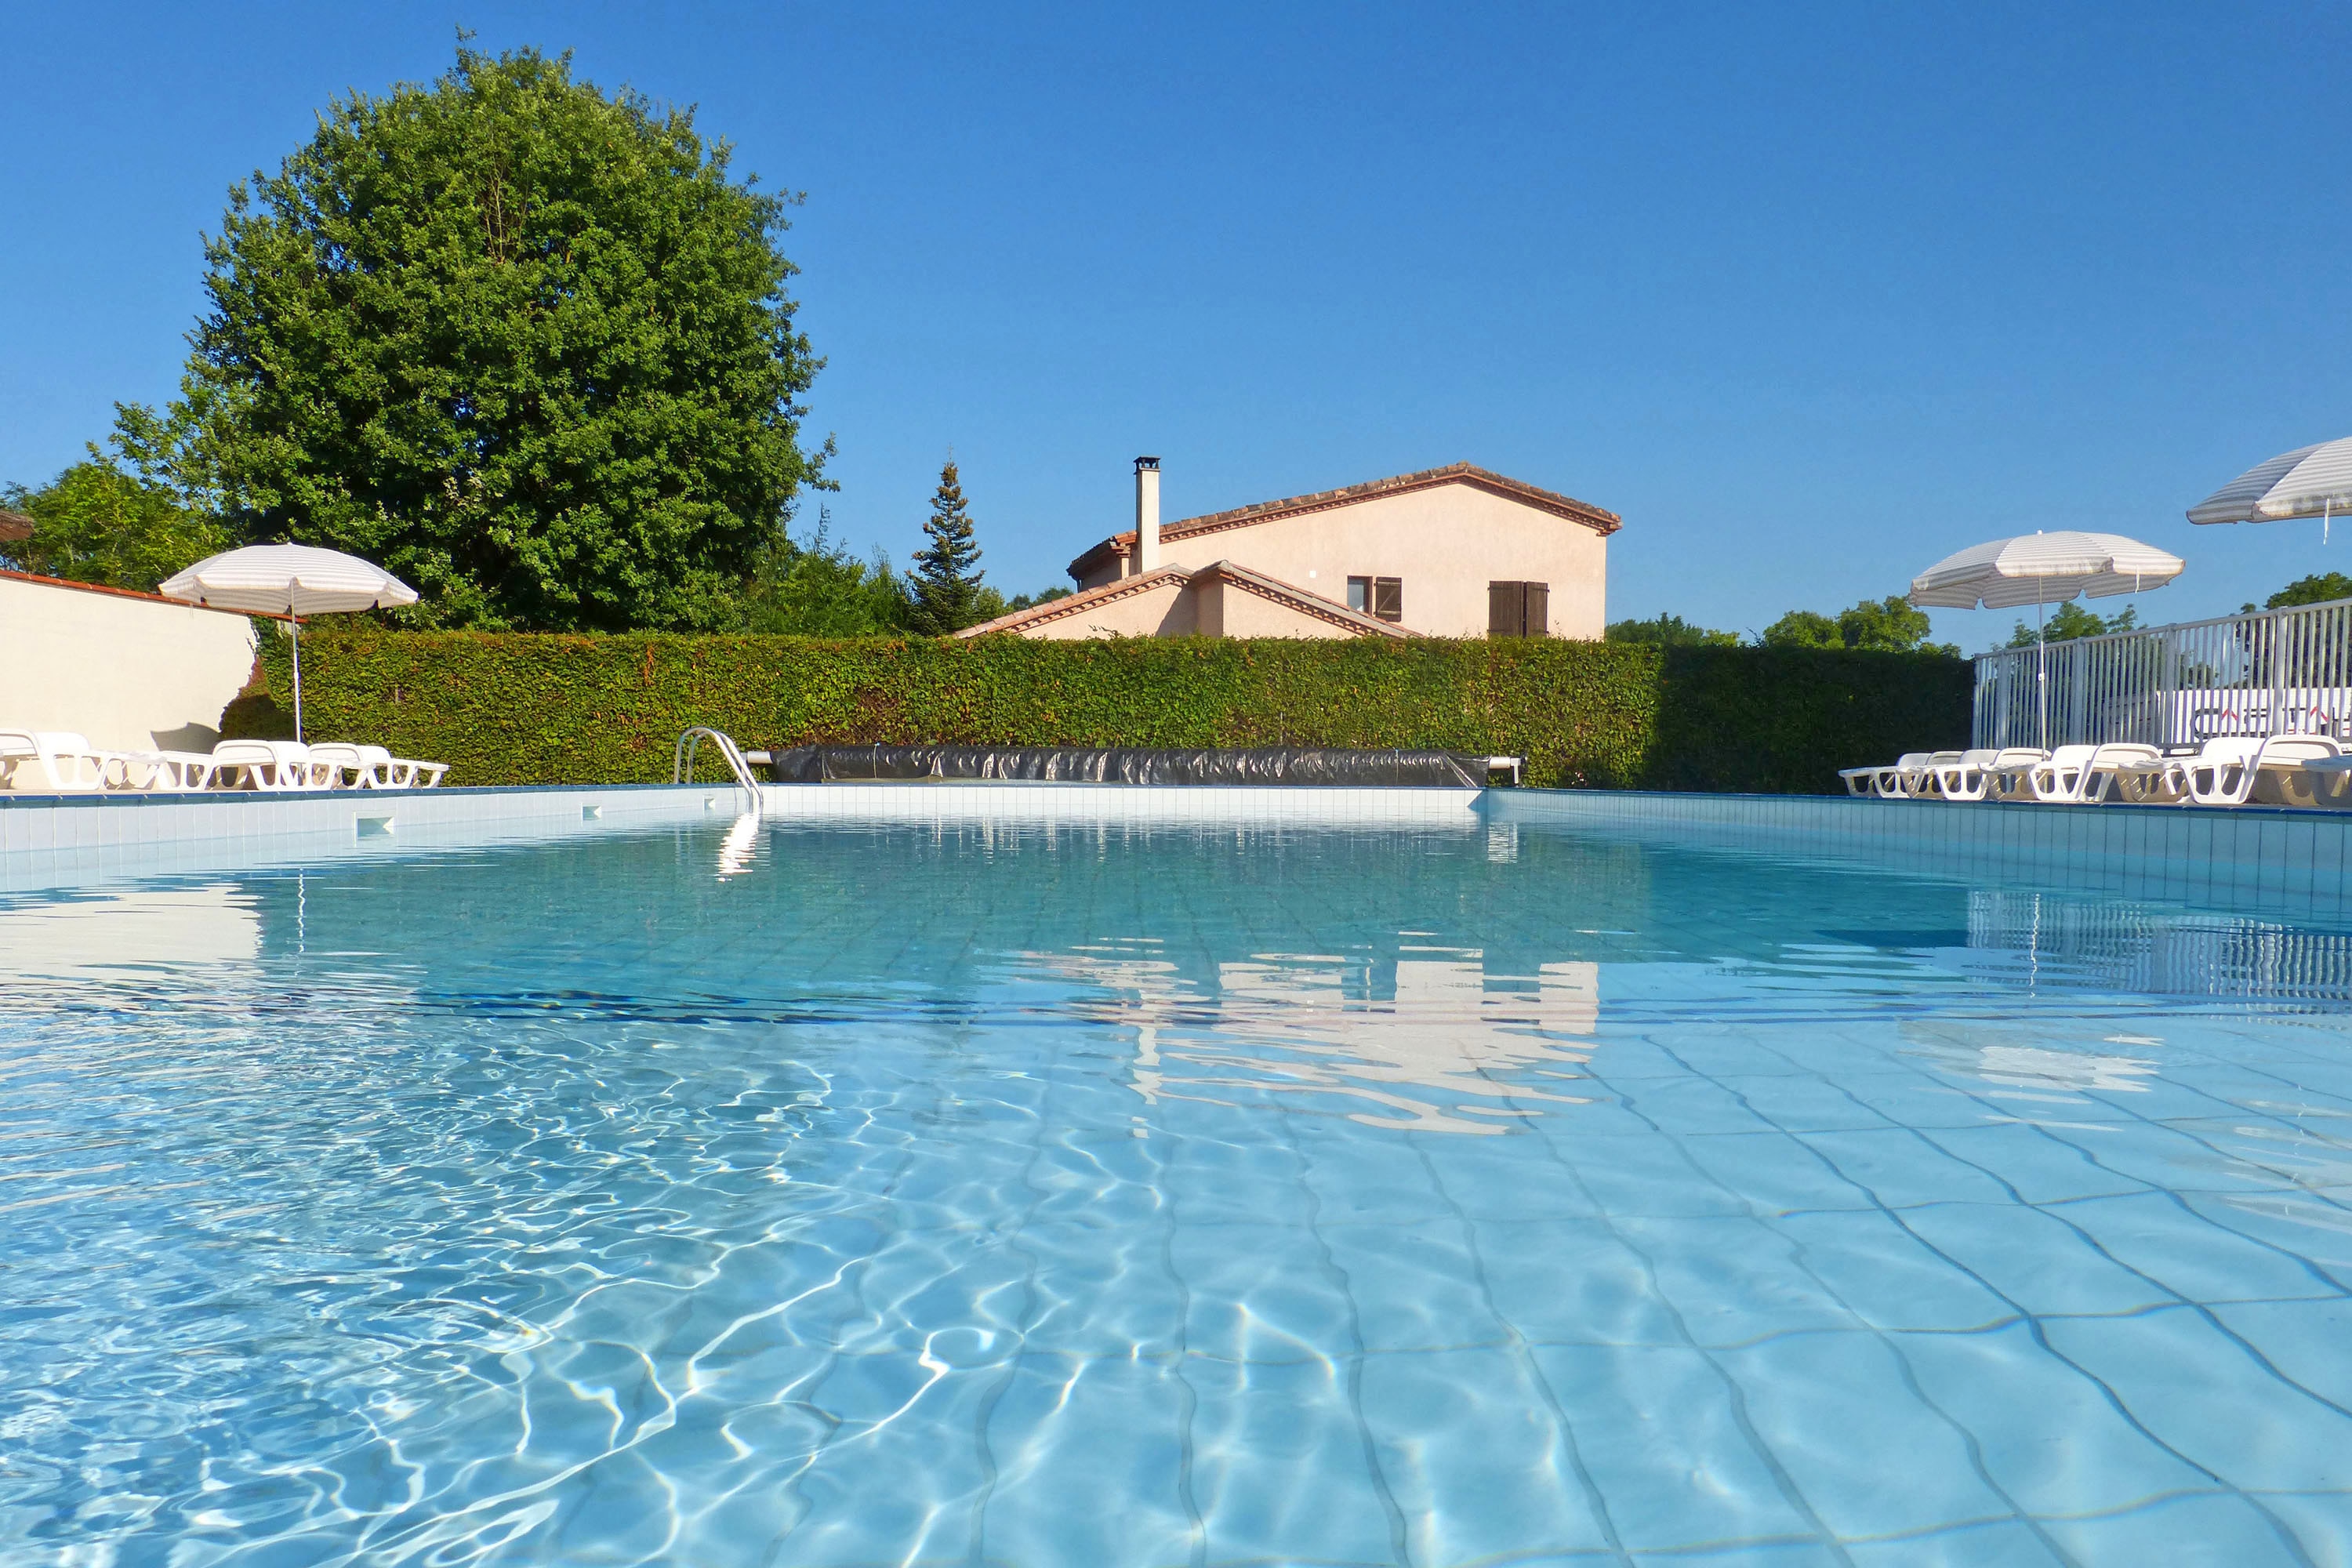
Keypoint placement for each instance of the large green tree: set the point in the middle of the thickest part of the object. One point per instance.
(818, 588)
(1668, 630)
(99, 522)
(945, 587)
(2318, 589)
(524, 342)
(1892, 625)
(2070, 622)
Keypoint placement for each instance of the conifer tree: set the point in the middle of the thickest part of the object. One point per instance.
(944, 587)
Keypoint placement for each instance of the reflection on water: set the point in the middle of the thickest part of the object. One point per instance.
(735, 850)
(117, 935)
(1429, 1038)
(2021, 1063)
(2150, 950)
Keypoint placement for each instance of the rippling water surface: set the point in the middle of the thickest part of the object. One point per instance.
(988, 1194)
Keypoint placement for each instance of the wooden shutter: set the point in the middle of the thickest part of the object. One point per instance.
(1505, 609)
(1388, 598)
(1537, 619)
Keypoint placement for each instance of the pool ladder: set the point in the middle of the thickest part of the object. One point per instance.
(681, 762)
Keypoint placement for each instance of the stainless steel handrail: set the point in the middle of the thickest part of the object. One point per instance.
(689, 741)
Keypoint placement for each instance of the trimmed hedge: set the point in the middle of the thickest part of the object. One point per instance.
(507, 707)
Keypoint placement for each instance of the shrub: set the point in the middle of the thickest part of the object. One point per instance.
(512, 708)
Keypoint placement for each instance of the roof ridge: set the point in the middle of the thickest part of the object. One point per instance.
(1070, 603)
(1300, 599)
(1569, 507)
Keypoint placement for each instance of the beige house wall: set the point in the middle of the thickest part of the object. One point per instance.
(129, 673)
(1165, 610)
(1444, 544)
(1228, 610)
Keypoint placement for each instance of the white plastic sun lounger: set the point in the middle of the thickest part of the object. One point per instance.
(1975, 774)
(2083, 775)
(1964, 779)
(370, 767)
(265, 765)
(1888, 783)
(2225, 772)
(1918, 781)
(68, 763)
(2329, 782)
(168, 771)
(1860, 781)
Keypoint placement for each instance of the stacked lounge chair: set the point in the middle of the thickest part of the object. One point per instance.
(61, 762)
(2296, 770)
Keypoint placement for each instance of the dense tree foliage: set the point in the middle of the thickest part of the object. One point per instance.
(2069, 621)
(2317, 589)
(1668, 631)
(99, 522)
(819, 590)
(1892, 625)
(524, 343)
(944, 590)
(1802, 628)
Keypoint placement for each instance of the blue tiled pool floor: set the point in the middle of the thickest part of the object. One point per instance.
(988, 1195)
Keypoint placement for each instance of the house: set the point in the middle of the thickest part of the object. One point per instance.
(1456, 551)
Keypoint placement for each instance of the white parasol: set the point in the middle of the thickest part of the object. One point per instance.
(2044, 569)
(292, 580)
(2041, 570)
(2310, 481)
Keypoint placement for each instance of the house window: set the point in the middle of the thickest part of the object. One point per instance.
(1382, 596)
(1519, 609)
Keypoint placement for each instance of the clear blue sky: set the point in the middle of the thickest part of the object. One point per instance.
(1810, 296)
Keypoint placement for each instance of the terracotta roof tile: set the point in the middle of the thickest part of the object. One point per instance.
(1055, 609)
(134, 594)
(1258, 583)
(1123, 545)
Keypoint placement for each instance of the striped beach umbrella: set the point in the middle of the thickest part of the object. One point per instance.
(2041, 570)
(292, 579)
(2310, 481)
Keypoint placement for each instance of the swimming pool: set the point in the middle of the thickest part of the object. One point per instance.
(1044, 1194)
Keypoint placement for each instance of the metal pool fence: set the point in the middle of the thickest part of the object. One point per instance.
(2266, 672)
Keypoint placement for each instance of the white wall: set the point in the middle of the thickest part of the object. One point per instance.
(1163, 610)
(1445, 543)
(130, 671)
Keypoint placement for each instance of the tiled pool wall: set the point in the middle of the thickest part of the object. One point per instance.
(48, 841)
(2277, 856)
(2297, 859)
(62, 840)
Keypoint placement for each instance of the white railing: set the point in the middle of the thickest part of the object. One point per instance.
(2267, 672)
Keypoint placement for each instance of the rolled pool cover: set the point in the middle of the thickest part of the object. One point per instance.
(1127, 766)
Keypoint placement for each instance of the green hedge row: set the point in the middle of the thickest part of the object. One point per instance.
(520, 709)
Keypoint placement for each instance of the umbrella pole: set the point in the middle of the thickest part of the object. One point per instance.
(2041, 677)
(294, 630)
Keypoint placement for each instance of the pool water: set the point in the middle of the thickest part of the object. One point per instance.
(1004, 1195)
